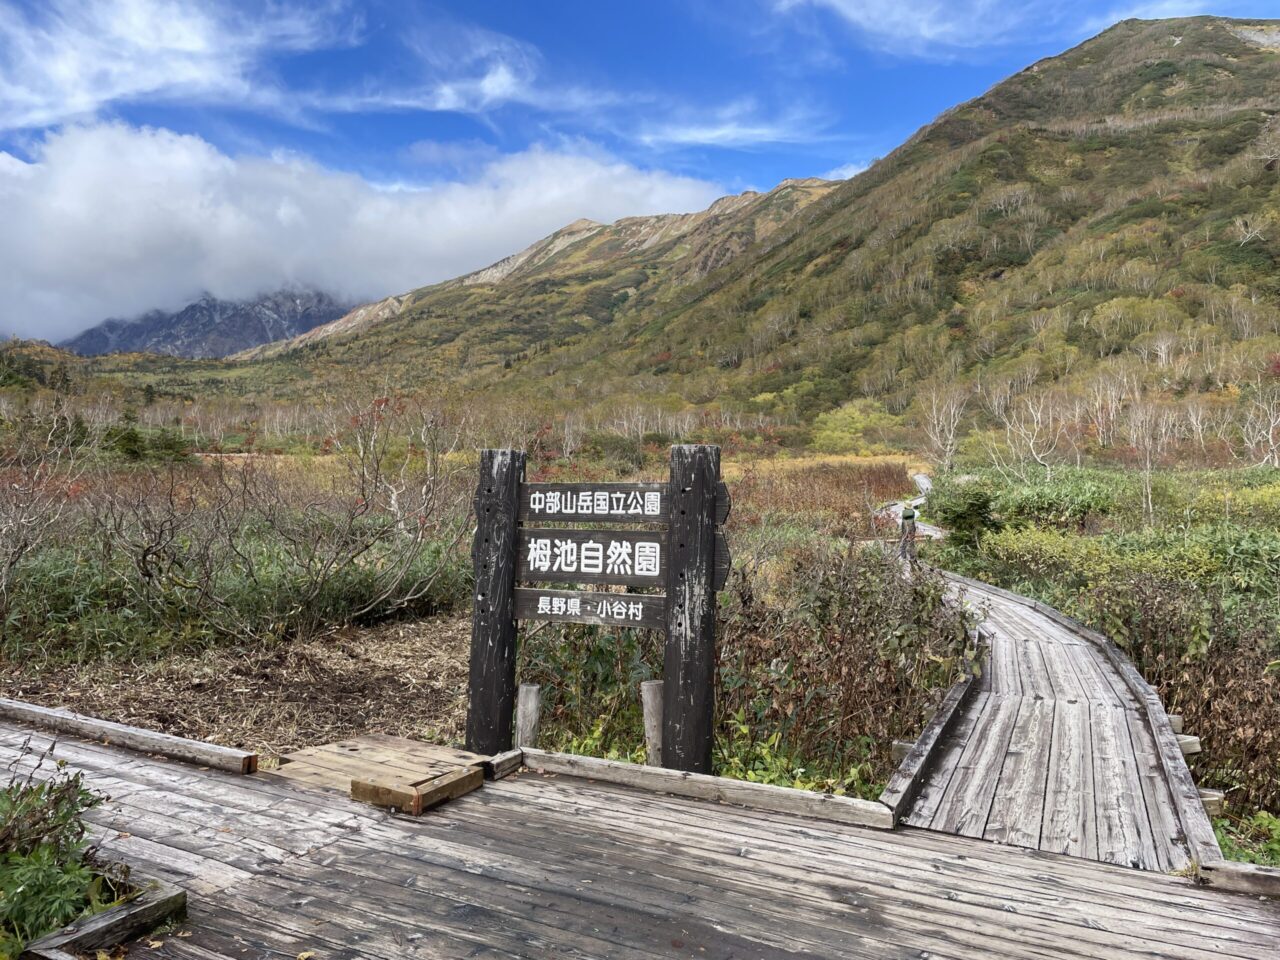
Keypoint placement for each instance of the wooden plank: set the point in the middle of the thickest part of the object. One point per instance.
(639, 611)
(967, 805)
(629, 558)
(450, 786)
(907, 780)
(933, 789)
(414, 798)
(421, 750)
(503, 764)
(1069, 824)
(492, 679)
(1018, 806)
(134, 738)
(1251, 878)
(689, 656)
(1171, 850)
(158, 901)
(759, 796)
(1124, 830)
(640, 502)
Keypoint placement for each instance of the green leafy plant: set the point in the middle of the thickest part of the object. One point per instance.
(49, 874)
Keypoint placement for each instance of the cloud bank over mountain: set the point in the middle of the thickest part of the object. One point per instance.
(112, 220)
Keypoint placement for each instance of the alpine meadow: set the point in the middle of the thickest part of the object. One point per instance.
(1049, 321)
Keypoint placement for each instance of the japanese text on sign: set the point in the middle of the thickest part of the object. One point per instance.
(591, 502)
(551, 554)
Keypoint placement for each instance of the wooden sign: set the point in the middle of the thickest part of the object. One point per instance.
(675, 545)
(630, 558)
(642, 611)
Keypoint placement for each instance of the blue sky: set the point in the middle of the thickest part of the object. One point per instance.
(151, 150)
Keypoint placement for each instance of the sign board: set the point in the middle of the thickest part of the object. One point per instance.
(673, 549)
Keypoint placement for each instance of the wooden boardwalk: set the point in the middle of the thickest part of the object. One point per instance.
(1055, 750)
(535, 866)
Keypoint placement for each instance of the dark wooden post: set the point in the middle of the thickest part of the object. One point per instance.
(493, 626)
(690, 658)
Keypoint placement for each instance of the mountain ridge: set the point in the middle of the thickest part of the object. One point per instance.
(210, 327)
(1105, 219)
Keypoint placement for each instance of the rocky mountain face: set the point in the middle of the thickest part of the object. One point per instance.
(210, 327)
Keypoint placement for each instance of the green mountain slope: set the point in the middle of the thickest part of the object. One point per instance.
(1111, 211)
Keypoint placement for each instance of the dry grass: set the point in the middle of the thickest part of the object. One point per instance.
(407, 679)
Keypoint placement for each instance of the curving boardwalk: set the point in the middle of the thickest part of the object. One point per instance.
(1053, 751)
(1059, 746)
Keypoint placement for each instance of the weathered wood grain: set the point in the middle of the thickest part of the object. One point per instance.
(528, 715)
(492, 683)
(651, 708)
(681, 783)
(135, 738)
(908, 779)
(557, 865)
(689, 657)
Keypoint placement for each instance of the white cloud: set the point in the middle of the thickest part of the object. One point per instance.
(67, 59)
(738, 124)
(932, 26)
(111, 220)
(844, 171)
(942, 28)
(1157, 10)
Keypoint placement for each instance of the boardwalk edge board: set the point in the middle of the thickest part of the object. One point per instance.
(158, 902)
(1242, 878)
(1197, 828)
(905, 783)
(67, 722)
(700, 786)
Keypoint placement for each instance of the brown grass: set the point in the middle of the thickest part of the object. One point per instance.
(407, 679)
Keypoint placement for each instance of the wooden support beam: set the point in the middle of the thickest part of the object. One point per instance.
(73, 724)
(158, 901)
(503, 764)
(1213, 801)
(913, 768)
(690, 658)
(1175, 721)
(528, 715)
(415, 797)
(899, 749)
(1242, 877)
(651, 701)
(680, 783)
(492, 684)
(1188, 744)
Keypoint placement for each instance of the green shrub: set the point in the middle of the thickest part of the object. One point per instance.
(964, 506)
(813, 680)
(48, 875)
